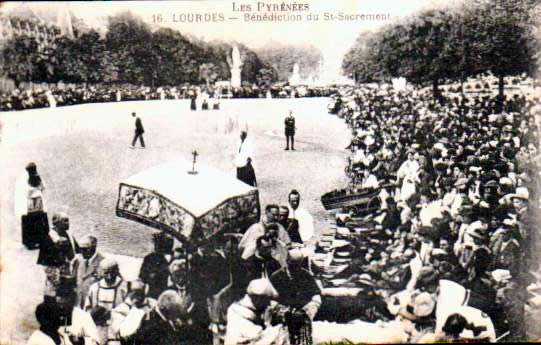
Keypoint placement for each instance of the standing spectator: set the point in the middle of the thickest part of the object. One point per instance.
(196, 325)
(60, 276)
(60, 231)
(155, 267)
(136, 302)
(248, 242)
(269, 257)
(306, 222)
(243, 161)
(289, 123)
(105, 295)
(139, 130)
(87, 267)
(291, 225)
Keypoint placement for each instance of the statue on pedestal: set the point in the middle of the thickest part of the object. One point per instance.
(50, 99)
(295, 77)
(235, 65)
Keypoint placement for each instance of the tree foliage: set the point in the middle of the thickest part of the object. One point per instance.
(19, 59)
(441, 44)
(130, 52)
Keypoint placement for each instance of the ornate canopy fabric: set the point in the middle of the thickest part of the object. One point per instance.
(193, 206)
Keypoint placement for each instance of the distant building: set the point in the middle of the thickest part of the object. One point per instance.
(14, 27)
(43, 25)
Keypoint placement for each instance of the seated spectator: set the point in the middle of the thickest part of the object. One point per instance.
(369, 181)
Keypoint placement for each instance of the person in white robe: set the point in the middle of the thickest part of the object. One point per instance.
(245, 323)
(408, 176)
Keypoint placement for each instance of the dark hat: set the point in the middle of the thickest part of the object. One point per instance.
(32, 169)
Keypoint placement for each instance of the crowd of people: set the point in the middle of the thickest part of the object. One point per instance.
(456, 185)
(182, 295)
(21, 99)
(456, 180)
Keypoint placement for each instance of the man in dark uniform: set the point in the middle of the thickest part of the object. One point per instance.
(139, 130)
(290, 130)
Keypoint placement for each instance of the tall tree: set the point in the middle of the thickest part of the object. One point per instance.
(506, 36)
(127, 39)
(19, 57)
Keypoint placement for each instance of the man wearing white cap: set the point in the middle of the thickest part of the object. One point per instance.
(244, 317)
(105, 295)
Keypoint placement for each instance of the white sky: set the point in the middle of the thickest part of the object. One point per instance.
(334, 38)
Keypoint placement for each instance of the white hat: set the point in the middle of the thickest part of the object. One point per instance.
(423, 304)
(261, 287)
(521, 192)
(108, 263)
(506, 181)
(501, 275)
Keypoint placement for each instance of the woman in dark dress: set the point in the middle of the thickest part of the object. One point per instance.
(35, 223)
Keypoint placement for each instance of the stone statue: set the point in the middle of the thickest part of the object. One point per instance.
(235, 67)
(295, 77)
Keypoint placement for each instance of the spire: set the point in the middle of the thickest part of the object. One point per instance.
(63, 21)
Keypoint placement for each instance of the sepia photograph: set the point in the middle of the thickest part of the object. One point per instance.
(264, 172)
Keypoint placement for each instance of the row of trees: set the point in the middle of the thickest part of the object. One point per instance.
(132, 53)
(437, 45)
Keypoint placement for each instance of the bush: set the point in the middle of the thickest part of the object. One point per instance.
(478, 86)
(515, 81)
